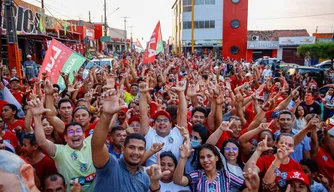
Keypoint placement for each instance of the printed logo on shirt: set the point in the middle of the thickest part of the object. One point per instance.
(325, 158)
(91, 132)
(170, 139)
(74, 156)
(283, 176)
(83, 168)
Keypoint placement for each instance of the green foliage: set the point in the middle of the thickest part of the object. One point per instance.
(318, 50)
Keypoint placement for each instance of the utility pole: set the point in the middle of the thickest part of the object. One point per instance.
(125, 32)
(105, 18)
(192, 26)
(90, 20)
(131, 41)
(42, 2)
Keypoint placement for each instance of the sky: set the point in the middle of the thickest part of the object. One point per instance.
(144, 14)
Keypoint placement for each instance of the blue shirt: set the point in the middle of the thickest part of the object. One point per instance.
(116, 156)
(115, 176)
(317, 187)
(303, 146)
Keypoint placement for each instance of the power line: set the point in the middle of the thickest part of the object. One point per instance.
(291, 17)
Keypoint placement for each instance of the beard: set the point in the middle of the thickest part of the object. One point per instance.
(131, 163)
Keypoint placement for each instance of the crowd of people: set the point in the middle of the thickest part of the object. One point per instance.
(181, 123)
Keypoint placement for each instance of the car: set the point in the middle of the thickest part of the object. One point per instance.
(324, 65)
(318, 73)
(267, 61)
(323, 90)
(100, 62)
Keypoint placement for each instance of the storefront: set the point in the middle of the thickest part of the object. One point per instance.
(204, 47)
(259, 49)
(288, 48)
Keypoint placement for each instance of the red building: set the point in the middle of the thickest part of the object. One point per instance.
(235, 19)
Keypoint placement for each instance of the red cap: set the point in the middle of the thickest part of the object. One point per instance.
(124, 110)
(32, 80)
(133, 118)
(162, 112)
(297, 175)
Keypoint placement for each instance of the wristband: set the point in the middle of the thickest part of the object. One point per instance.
(265, 110)
(275, 165)
(156, 190)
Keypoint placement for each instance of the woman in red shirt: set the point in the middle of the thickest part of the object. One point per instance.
(12, 123)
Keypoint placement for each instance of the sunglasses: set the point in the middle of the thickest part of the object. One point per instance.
(162, 120)
(71, 132)
(228, 149)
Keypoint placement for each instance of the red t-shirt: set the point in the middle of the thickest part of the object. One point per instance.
(90, 129)
(12, 139)
(326, 164)
(18, 95)
(265, 162)
(45, 167)
(227, 135)
(17, 123)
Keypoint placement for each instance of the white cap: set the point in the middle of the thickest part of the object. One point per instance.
(28, 56)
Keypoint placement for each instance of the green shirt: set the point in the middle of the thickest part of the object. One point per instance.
(73, 164)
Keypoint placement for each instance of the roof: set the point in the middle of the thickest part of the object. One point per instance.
(274, 35)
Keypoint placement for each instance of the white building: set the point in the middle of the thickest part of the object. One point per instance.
(208, 25)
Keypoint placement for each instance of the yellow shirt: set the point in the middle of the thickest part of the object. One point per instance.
(76, 164)
(128, 97)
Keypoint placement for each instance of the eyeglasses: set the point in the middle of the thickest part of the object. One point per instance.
(228, 149)
(162, 120)
(71, 132)
(132, 125)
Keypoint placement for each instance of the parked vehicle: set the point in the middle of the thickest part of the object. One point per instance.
(312, 72)
(100, 62)
(267, 61)
(324, 65)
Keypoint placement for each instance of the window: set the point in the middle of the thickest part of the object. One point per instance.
(210, 2)
(187, 2)
(187, 9)
(212, 24)
(186, 24)
(206, 24)
(196, 25)
(235, 24)
(201, 25)
(234, 50)
(199, 2)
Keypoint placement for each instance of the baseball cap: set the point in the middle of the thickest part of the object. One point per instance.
(133, 118)
(28, 56)
(297, 175)
(162, 112)
(14, 79)
(275, 114)
(124, 110)
(32, 80)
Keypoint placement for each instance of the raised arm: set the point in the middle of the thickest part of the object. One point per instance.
(244, 139)
(224, 126)
(284, 104)
(192, 94)
(185, 153)
(312, 124)
(328, 141)
(37, 109)
(144, 120)
(28, 122)
(111, 106)
(182, 107)
(51, 115)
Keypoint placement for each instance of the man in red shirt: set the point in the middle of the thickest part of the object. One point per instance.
(15, 89)
(42, 164)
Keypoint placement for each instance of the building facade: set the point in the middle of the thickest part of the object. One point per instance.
(207, 27)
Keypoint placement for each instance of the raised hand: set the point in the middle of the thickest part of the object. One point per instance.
(312, 124)
(191, 91)
(252, 179)
(264, 126)
(185, 150)
(75, 186)
(36, 107)
(143, 88)
(226, 126)
(283, 152)
(111, 102)
(71, 88)
(180, 86)
(110, 81)
(154, 171)
(262, 146)
(48, 89)
(156, 147)
(64, 75)
(184, 132)
(295, 92)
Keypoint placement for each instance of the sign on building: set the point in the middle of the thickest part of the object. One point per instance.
(262, 45)
(296, 40)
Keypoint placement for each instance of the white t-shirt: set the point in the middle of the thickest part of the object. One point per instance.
(171, 187)
(267, 72)
(172, 143)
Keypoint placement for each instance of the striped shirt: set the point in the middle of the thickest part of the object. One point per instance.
(223, 182)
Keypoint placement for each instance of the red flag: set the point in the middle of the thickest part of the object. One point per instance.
(150, 52)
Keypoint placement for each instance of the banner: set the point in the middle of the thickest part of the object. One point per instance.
(60, 58)
(154, 43)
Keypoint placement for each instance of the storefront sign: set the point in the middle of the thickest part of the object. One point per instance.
(262, 45)
(203, 43)
(325, 39)
(27, 18)
(90, 34)
(296, 40)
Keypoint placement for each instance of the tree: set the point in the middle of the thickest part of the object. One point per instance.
(318, 50)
